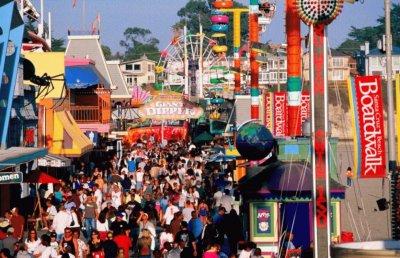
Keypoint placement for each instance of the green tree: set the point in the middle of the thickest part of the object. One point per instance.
(57, 45)
(138, 42)
(107, 52)
(372, 34)
(199, 11)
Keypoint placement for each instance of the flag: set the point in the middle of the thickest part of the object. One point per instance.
(95, 25)
(74, 4)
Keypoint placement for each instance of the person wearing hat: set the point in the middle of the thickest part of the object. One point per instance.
(10, 240)
(119, 225)
(53, 241)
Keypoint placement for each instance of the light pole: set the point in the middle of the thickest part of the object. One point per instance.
(389, 92)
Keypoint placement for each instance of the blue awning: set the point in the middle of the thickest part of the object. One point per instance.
(80, 77)
(17, 155)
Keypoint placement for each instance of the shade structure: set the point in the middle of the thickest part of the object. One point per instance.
(290, 177)
(295, 177)
(203, 137)
(41, 177)
(80, 77)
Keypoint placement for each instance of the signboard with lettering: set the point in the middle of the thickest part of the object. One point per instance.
(163, 107)
(264, 222)
(369, 138)
(10, 177)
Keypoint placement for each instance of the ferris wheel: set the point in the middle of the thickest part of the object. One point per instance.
(196, 66)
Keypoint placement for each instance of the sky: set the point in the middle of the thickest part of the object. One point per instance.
(159, 15)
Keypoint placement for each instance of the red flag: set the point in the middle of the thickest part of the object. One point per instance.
(74, 4)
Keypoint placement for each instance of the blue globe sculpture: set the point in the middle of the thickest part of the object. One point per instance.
(254, 141)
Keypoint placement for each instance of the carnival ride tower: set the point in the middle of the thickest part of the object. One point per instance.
(317, 15)
(293, 68)
(12, 30)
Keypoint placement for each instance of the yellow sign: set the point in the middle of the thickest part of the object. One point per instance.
(170, 107)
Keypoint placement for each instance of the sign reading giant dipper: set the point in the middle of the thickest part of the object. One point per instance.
(170, 107)
(369, 138)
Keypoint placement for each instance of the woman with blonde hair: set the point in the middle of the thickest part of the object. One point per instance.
(144, 244)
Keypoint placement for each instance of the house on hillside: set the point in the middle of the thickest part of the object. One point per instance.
(138, 72)
(341, 65)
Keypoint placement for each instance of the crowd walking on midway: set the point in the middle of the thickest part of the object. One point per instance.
(151, 202)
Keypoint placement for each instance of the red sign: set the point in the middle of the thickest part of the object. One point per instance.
(371, 130)
(175, 133)
(305, 108)
(280, 114)
(268, 111)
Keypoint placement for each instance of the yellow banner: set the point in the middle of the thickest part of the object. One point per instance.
(353, 125)
(398, 114)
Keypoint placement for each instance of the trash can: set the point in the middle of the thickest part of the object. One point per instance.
(347, 237)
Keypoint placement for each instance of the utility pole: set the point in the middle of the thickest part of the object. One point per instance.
(389, 91)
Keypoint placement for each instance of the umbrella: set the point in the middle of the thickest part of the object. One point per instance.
(203, 137)
(41, 177)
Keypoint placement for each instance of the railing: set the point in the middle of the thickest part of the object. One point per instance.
(85, 114)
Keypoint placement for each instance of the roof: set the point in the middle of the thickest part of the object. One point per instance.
(279, 177)
(334, 52)
(18, 155)
(83, 76)
(377, 52)
(120, 91)
(143, 58)
(88, 47)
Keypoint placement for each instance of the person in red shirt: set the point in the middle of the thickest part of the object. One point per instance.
(17, 222)
(124, 242)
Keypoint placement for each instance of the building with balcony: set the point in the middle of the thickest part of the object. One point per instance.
(340, 67)
(138, 72)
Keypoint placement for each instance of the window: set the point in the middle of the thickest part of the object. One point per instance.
(137, 67)
(128, 67)
(338, 75)
(374, 61)
(396, 61)
(338, 62)
(149, 67)
(129, 80)
(281, 63)
(282, 76)
(352, 65)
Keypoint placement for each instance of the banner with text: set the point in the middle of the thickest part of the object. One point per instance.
(365, 94)
(276, 112)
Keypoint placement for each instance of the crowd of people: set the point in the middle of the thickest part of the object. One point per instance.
(151, 202)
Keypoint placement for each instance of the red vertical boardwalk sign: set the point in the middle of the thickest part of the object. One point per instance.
(371, 126)
(280, 114)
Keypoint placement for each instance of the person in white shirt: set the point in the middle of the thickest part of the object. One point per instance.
(49, 214)
(60, 222)
(48, 250)
(169, 212)
(117, 196)
(139, 178)
(98, 196)
(227, 201)
(217, 199)
(187, 211)
(32, 241)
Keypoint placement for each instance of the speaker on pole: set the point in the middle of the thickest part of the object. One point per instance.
(382, 204)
